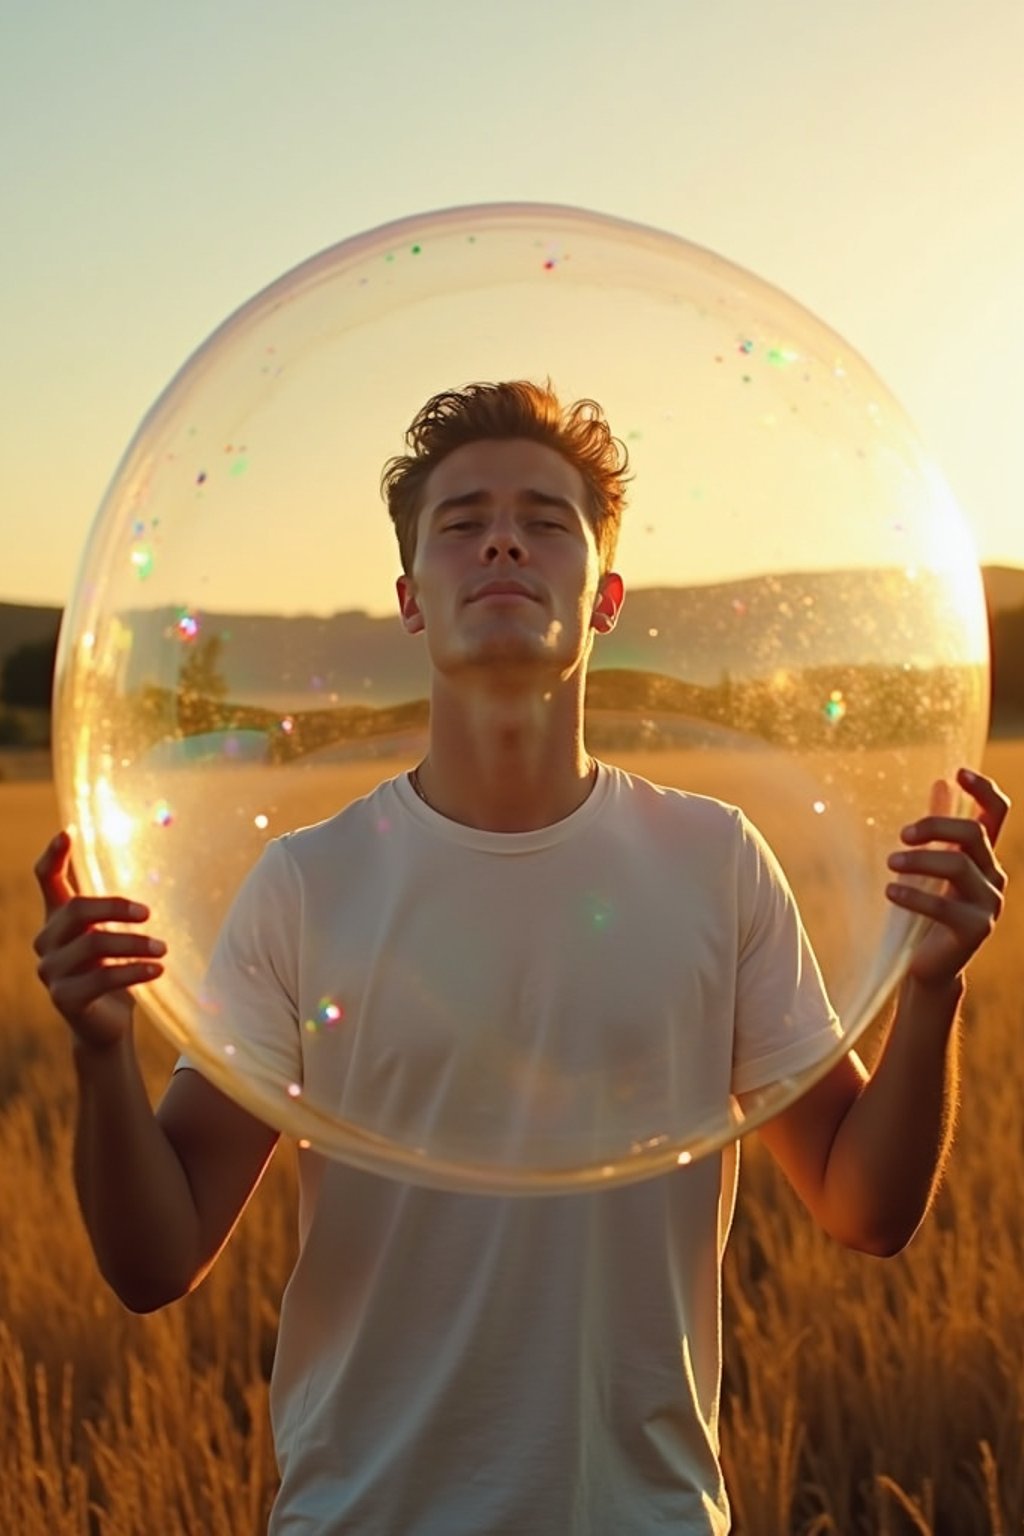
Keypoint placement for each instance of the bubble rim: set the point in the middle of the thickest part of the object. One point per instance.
(357, 1145)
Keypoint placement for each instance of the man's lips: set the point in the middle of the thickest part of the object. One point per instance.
(502, 589)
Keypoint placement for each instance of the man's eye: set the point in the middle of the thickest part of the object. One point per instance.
(460, 525)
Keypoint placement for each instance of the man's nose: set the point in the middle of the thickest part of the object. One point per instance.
(503, 541)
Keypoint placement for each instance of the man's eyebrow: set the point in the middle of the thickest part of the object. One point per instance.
(465, 499)
(476, 498)
(551, 499)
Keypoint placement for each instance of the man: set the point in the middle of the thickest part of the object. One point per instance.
(461, 1365)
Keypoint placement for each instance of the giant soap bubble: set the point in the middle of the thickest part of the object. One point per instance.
(804, 635)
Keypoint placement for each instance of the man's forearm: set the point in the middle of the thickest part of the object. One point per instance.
(132, 1189)
(888, 1154)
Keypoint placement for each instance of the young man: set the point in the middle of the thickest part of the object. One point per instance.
(460, 1365)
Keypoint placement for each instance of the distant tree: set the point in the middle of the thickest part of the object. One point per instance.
(1008, 663)
(27, 679)
(202, 688)
(12, 732)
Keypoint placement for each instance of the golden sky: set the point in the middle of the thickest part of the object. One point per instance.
(162, 167)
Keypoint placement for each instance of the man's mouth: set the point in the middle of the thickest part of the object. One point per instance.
(502, 589)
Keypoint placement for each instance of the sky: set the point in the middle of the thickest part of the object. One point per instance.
(161, 165)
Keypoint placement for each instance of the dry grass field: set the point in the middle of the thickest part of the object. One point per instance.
(861, 1396)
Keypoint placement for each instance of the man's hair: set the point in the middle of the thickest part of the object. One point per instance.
(519, 409)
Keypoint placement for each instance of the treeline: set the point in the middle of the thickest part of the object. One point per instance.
(808, 709)
(1007, 633)
(842, 706)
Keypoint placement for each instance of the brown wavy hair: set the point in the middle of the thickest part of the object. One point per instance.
(519, 409)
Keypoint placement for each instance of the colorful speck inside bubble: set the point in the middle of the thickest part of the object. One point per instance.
(142, 560)
(163, 816)
(187, 625)
(835, 709)
(328, 1015)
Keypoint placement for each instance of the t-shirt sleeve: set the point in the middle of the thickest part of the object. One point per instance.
(784, 1020)
(249, 994)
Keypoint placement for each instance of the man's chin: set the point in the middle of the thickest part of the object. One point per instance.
(506, 655)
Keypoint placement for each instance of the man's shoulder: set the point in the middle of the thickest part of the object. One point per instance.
(670, 805)
(368, 814)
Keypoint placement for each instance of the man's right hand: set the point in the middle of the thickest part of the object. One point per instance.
(87, 968)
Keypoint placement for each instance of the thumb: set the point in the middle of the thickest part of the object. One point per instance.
(940, 801)
(56, 874)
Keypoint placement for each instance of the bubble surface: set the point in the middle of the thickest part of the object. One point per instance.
(804, 631)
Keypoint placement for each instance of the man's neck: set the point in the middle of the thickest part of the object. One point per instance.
(511, 765)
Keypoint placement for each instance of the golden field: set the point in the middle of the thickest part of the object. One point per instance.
(861, 1395)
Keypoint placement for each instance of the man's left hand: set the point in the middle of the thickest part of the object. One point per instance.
(966, 908)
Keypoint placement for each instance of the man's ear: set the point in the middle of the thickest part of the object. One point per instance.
(412, 618)
(611, 594)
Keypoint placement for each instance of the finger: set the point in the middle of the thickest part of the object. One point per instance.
(94, 949)
(71, 995)
(940, 800)
(970, 924)
(950, 865)
(959, 831)
(78, 914)
(993, 804)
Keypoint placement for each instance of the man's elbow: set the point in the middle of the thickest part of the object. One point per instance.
(143, 1294)
(878, 1242)
(143, 1306)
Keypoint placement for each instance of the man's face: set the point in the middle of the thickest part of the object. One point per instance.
(506, 572)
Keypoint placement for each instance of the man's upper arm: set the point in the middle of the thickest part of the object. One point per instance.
(800, 1138)
(223, 1150)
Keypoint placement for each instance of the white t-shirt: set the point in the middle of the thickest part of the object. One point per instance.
(455, 1364)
